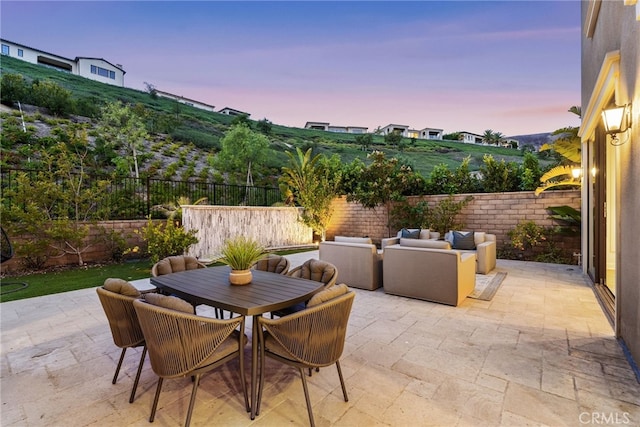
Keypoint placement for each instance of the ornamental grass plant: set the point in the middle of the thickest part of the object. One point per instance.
(240, 253)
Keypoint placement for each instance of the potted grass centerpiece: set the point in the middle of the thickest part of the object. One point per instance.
(241, 254)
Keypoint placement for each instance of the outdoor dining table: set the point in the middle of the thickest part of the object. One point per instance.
(266, 292)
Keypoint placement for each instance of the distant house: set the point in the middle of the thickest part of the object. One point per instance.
(186, 101)
(356, 129)
(231, 112)
(391, 128)
(91, 68)
(510, 143)
(332, 128)
(471, 138)
(337, 129)
(431, 133)
(317, 125)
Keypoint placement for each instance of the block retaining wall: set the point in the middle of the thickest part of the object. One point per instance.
(99, 252)
(495, 213)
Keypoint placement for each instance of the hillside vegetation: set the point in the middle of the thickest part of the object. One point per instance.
(190, 138)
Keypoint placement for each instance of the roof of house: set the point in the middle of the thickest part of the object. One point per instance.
(119, 67)
(233, 110)
(63, 57)
(182, 97)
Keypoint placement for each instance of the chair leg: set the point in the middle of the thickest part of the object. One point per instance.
(344, 389)
(306, 397)
(115, 377)
(192, 401)
(155, 400)
(135, 382)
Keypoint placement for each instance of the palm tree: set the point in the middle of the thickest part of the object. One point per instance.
(568, 145)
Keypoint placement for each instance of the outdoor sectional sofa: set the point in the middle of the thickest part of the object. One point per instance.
(439, 275)
(357, 259)
(483, 244)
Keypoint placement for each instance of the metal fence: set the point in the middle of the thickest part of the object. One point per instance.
(134, 198)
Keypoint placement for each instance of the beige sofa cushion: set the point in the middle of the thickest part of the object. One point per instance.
(419, 243)
(344, 239)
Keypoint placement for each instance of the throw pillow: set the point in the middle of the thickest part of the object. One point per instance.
(328, 294)
(173, 303)
(413, 233)
(122, 287)
(463, 240)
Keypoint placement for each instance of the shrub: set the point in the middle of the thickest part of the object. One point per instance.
(167, 239)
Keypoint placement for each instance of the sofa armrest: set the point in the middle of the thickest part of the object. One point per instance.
(359, 264)
(486, 254)
(388, 242)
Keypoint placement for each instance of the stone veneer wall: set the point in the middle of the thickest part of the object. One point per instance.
(271, 226)
(495, 213)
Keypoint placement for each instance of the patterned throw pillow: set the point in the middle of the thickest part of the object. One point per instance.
(463, 240)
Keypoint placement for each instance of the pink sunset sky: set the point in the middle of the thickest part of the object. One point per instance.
(509, 66)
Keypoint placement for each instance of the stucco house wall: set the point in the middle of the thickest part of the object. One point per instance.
(610, 73)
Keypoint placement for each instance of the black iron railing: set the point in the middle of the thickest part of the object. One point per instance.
(126, 197)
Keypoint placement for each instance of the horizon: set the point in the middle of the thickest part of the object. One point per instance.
(513, 67)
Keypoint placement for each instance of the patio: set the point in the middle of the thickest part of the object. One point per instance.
(541, 352)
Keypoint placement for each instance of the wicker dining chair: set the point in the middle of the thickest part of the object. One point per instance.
(274, 264)
(311, 338)
(123, 322)
(182, 344)
(311, 269)
(174, 264)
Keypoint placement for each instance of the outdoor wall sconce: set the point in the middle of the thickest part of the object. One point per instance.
(616, 120)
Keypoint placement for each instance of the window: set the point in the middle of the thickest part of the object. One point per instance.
(103, 72)
(5, 49)
(20, 53)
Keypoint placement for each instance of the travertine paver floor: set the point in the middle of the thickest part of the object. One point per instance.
(541, 353)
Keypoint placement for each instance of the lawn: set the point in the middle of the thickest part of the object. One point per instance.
(53, 282)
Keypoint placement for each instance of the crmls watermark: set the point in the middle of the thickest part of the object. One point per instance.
(605, 418)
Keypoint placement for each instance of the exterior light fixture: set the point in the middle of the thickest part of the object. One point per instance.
(617, 120)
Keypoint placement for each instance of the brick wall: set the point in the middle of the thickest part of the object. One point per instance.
(495, 213)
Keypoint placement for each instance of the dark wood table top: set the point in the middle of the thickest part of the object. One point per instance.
(210, 286)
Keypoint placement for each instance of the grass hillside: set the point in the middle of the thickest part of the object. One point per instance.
(195, 134)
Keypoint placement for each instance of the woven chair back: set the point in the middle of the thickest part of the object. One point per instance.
(175, 264)
(314, 336)
(318, 270)
(274, 264)
(178, 343)
(122, 317)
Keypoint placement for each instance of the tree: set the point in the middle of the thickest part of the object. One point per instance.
(568, 146)
(312, 182)
(122, 130)
(241, 149)
(53, 97)
(264, 126)
(382, 181)
(529, 172)
(498, 177)
(393, 138)
(13, 89)
(151, 90)
(364, 140)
